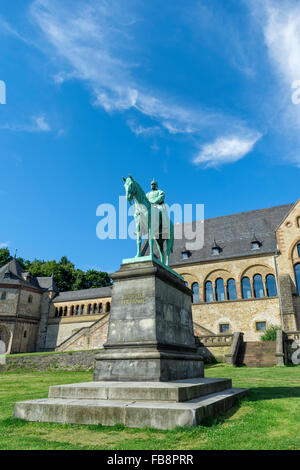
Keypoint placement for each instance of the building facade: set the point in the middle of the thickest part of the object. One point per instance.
(246, 278)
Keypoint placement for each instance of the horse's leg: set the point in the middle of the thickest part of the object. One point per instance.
(168, 251)
(162, 254)
(138, 240)
(159, 244)
(150, 237)
(169, 247)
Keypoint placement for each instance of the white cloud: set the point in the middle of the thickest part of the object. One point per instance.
(40, 124)
(37, 124)
(282, 36)
(279, 21)
(96, 42)
(225, 150)
(138, 129)
(6, 28)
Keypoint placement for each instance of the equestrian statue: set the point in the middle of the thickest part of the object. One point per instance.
(151, 218)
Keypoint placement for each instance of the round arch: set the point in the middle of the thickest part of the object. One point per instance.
(6, 338)
(293, 249)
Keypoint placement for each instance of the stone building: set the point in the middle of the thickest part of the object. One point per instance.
(247, 275)
(245, 278)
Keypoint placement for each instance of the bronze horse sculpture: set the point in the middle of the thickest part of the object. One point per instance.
(148, 222)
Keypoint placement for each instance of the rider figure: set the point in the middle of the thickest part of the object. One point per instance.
(159, 214)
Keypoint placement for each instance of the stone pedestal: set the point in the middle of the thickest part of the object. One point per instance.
(149, 373)
(150, 336)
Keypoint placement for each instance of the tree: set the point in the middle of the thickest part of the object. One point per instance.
(64, 273)
(97, 279)
(5, 256)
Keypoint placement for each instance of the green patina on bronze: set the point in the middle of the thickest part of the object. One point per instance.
(151, 218)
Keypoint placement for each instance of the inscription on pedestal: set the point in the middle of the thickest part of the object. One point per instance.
(133, 299)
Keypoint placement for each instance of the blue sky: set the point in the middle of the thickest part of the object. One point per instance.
(197, 94)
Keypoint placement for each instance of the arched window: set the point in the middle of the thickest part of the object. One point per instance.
(231, 289)
(297, 276)
(65, 311)
(298, 249)
(3, 296)
(246, 288)
(107, 307)
(77, 310)
(220, 291)
(89, 309)
(72, 310)
(258, 286)
(209, 292)
(95, 308)
(60, 311)
(56, 311)
(271, 286)
(82, 310)
(100, 308)
(30, 299)
(195, 290)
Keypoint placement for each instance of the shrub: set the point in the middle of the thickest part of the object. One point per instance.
(270, 334)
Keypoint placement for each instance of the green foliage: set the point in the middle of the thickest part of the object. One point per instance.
(270, 334)
(4, 256)
(64, 273)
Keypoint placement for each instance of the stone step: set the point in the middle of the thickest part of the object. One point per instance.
(135, 414)
(175, 391)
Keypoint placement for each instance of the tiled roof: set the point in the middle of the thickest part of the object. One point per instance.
(233, 234)
(18, 277)
(95, 293)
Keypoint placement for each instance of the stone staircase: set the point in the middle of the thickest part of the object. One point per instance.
(257, 354)
(162, 405)
(91, 337)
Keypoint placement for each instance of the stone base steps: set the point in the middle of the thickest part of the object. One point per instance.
(160, 405)
(177, 391)
(257, 354)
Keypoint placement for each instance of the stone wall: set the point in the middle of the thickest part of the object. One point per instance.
(61, 328)
(78, 360)
(213, 354)
(288, 237)
(92, 337)
(240, 314)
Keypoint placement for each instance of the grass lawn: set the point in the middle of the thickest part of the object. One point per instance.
(267, 419)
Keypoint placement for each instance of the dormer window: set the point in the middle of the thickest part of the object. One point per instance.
(255, 243)
(185, 254)
(216, 249)
(7, 275)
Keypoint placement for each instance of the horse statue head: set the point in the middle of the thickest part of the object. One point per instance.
(130, 188)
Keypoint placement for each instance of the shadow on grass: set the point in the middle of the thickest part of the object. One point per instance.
(271, 393)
